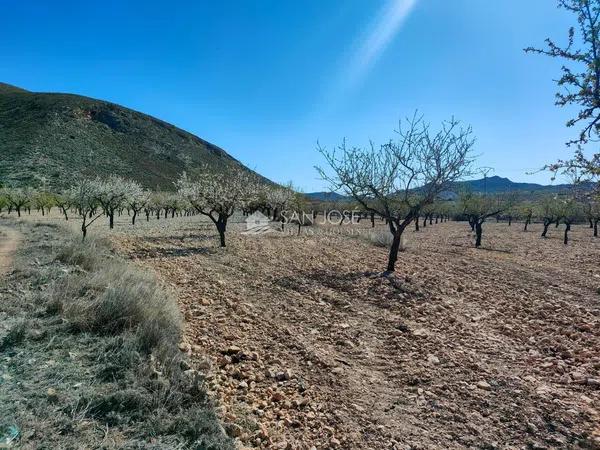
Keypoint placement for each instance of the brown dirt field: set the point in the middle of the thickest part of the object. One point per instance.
(463, 348)
(9, 240)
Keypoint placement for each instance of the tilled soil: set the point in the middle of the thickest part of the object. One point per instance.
(9, 240)
(307, 346)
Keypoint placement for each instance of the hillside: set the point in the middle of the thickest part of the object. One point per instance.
(49, 139)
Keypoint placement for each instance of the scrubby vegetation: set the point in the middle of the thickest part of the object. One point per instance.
(90, 353)
(49, 140)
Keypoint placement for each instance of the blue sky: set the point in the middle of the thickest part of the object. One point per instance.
(266, 79)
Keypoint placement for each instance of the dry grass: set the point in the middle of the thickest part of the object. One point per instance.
(101, 335)
(383, 238)
(110, 296)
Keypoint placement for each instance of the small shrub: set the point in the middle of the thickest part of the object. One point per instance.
(15, 335)
(118, 298)
(82, 254)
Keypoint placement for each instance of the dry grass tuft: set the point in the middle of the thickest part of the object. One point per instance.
(383, 238)
(116, 297)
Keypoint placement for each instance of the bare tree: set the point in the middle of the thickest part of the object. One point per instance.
(218, 195)
(396, 180)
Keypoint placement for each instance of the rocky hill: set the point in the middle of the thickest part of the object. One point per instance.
(50, 139)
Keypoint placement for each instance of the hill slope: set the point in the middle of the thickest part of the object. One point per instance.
(49, 139)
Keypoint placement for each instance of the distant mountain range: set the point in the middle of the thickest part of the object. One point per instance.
(49, 139)
(491, 185)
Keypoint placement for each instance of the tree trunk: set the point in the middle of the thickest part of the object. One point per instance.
(431, 219)
(133, 217)
(221, 224)
(372, 220)
(546, 225)
(567, 228)
(591, 223)
(509, 221)
(478, 232)
(393, 256)
(596, 227)
(83, 230)
(417, 223)
(111, 220)
(18, 208)
(424, 221)
(396, 230)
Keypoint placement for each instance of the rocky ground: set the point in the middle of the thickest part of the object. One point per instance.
(307, 347)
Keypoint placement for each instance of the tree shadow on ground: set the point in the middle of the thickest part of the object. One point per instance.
(353, 284)
(171, 252)
(169, 238)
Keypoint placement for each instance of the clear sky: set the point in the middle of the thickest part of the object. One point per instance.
(266, 79)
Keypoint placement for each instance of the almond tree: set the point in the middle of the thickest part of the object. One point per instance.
(17, 198)
(384, 180)
(295, 211)
(218, 195)
(479, 207)
(63, 201)
(525, 210)
(111, 194)
(549, 212)
(136, 200)
(83, 197)
(595, 214)
(43, 201)
(570, 212)
(580, 81)
(278, 198)
(3, 201)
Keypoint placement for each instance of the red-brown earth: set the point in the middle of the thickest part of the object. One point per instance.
(306, 346)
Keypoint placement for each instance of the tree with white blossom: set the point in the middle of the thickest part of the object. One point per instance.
(218, 195)
(83, 198)
(112, 194)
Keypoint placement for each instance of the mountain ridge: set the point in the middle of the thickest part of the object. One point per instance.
(491, 185)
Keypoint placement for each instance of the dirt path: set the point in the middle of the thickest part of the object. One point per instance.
(9, 241)
(492, 348)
